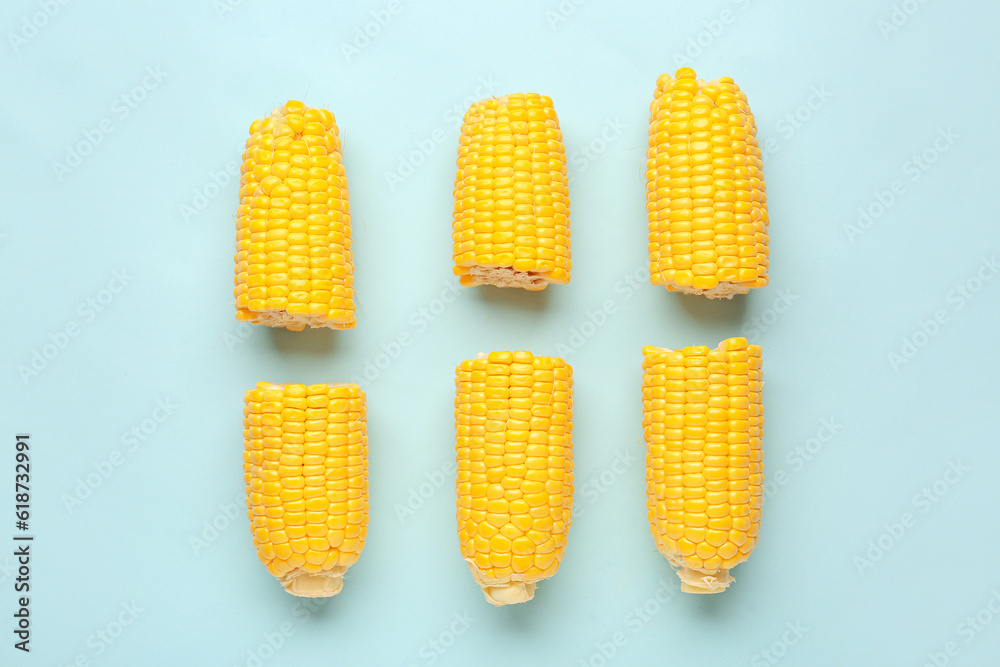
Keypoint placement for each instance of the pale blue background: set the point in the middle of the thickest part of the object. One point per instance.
(171, 334)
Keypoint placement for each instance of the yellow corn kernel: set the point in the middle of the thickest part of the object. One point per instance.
(511, 215)
(703, 422)
(513, 442)
(294, 265)
(705, 197)
(305, 465)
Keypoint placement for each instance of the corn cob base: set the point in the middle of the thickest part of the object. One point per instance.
(294, 266)
(705, 198)
(314, 584)
(507, 590)
(702, 423)
(694, 580)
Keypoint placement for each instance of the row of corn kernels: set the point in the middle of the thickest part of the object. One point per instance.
(306, 469)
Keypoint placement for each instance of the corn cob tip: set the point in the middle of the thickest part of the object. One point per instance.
(314, 584)
(500, 593)
(700, 582)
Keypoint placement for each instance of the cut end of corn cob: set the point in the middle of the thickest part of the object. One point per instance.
(705, 197)
(294, 266)
(503, 276)
(703, 423)
(305, 465)
(511, 218)
(513, 428)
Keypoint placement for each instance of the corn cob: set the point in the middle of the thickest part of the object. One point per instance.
(511, 217)
(703, 422)
(704, 189)
(305, 464)
(293, 230)
(513, 424)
